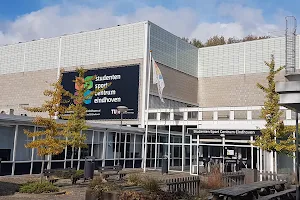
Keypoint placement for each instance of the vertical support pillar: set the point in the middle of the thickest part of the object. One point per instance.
(155, 161)
(32, 153)
(231, 115)
(183, 148)
(124, 157)
(169, 147)
(197, 158)
(215, 115)
(92, 146)
(14, 150)
(191, 154)
(66, 154)
(79, 155)
(249, 114)
(115, 151)
(294, 156)
(143, 152)
(133, 156)
(252, 152)
(103, 157)
(261, 162)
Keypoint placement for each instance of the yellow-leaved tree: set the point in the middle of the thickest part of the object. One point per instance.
(77, 111)
(275, 136)
(50, 139)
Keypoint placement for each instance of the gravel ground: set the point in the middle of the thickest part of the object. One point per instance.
(10, 184)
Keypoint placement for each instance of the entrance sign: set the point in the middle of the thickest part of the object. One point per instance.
(123, 91)
(208, 132)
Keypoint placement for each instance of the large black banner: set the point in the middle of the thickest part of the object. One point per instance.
(123, 91)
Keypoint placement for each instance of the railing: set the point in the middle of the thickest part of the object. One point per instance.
(191, 185)
(233, 178)
(269, 176)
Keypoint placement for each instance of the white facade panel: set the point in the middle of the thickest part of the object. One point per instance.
(240, 58)
(172, 51)
(41, 54)
(12, 58)
(99, 46)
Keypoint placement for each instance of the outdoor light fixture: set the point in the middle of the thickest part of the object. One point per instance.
(122, 110)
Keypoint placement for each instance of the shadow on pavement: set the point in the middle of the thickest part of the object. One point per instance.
(8, 188)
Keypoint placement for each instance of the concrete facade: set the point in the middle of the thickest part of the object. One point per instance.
(235, 90)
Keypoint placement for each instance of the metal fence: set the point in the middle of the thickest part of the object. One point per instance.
(269, 176)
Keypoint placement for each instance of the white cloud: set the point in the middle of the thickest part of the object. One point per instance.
(205, 30)
(70, 18)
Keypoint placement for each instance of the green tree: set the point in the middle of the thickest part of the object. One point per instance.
(50, 140)
(197, 43)
(275, 137)
(215, 40)
(77, 111)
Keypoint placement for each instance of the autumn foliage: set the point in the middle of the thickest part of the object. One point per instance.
(275, 136)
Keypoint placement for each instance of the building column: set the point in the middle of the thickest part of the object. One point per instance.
(32, 153)
(155, 156)
(183, 148)
(143, 154)
(104, 147)
(92, 146)
(124, 157)
(14, 150)
(169, 147)
(133, 156)
(252, 152)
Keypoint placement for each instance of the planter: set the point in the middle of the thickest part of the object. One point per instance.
(91, 195)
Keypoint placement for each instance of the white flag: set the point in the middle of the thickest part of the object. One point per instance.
(158, 79)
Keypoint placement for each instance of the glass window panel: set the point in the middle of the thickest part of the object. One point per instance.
(162, 138)
(138, 147)
(88, 135)
(23, 153)
(176, 139)
(7, 142)
(110, 147)
(138, 139)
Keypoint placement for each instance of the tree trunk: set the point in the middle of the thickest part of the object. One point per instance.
(42, 168)
(72, 157)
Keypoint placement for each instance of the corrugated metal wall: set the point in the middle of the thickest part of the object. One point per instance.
(99, 46)
(242, 58)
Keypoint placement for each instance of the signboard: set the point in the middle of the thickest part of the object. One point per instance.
(222, 131)
(123, 91)
(230, 152)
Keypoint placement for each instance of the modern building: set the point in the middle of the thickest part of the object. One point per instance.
(212, 90)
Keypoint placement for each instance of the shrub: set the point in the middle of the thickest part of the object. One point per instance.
(38, 187)
(215, 180)
(98, 186)
(150, 185)
(64, 173)
(134, 179)
(76, 176)
(133, 195)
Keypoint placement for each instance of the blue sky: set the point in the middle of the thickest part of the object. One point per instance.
(31, 19)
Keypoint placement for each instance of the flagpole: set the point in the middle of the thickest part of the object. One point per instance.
(147, 110)
(147, 100)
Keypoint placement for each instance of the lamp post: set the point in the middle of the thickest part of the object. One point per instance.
(122, 110)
